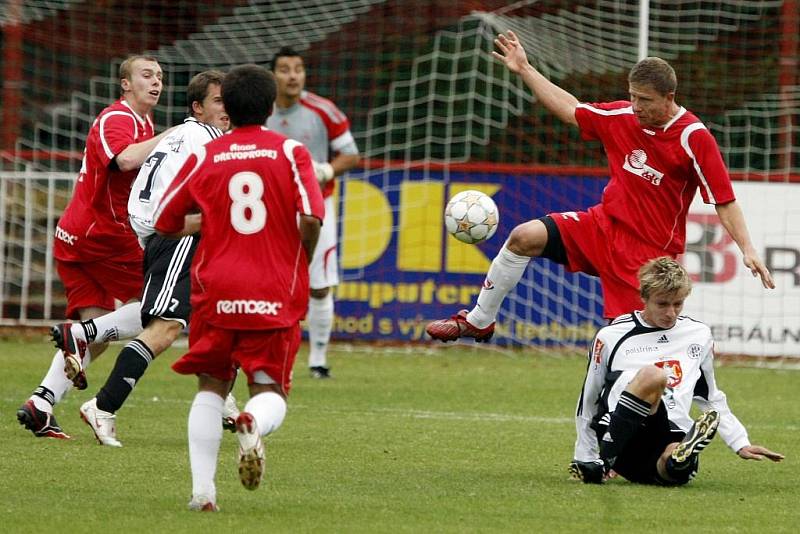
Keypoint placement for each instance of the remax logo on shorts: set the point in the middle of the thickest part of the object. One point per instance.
(248, 307)
(636, 163)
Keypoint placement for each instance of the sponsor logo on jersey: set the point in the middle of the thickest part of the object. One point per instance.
(663, 339)
(248, 307)
(694, 351)
(488, 284)
(641, 349)
(673, 370)
(635, 163)
(570, 215)
(66, 237)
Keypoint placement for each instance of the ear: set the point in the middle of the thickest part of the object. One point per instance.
(197, 108)
(126, 84)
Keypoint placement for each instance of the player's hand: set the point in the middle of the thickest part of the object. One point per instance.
(324, 172)
(757, 267)
(757, 452)
(511, 52)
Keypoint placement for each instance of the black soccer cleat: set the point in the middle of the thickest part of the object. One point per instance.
(698, 437)
(588, 472)
(320, 372)
(42, 424)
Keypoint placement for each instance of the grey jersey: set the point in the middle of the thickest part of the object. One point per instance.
(317, 123)
(685, 352)
(161, 167)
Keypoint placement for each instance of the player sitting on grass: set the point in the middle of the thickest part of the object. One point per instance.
(645, 369)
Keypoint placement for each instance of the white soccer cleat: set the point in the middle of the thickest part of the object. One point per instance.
(202, 503)
(104, 424)
(229, 413)
(251, 451)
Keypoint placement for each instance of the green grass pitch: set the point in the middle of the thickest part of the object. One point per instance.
(456, 439)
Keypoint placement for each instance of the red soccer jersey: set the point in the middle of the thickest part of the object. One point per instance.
(95, 224)
(250, 271)
(655, 172)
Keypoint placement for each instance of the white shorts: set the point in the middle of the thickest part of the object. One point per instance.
(324, 268)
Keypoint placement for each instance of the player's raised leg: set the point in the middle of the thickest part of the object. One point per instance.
(525, 241)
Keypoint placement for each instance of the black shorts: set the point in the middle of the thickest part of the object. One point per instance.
(554, 249)
(637, 462)
(166, 278)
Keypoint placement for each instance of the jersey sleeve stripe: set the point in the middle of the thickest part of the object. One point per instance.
(288, 150)
(344, 142)
(103, 141)
(685, 144)
(319, 104)
(621, 111)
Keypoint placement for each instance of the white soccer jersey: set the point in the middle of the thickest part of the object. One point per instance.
(160, 168)
(685, 352)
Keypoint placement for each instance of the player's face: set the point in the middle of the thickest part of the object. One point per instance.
(290, 77)
(662, 309)
(650, 107)
(143, 88)
(211, 110)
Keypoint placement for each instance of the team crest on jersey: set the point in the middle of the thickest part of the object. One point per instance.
(598, 352)
(636, 163)
(694, 351)
(673, 370)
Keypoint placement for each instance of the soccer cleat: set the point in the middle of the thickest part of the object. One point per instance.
(42, 424)
(588, 472)
(251, 451)
(104, 424)
(320, 371)
(201, 503)
(229, 413)
(74, 350)
(698, 437)
(457, 326)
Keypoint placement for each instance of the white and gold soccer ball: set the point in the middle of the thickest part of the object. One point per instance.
(471, 216)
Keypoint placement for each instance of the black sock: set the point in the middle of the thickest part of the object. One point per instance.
(131, 364)
(630, 413)
(46, 394)
(89, 330)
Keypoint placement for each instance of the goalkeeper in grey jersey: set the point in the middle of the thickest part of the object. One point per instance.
(645, 370)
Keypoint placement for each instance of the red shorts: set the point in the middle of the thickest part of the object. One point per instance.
(99, 283)
(594, 245)
(217, 352)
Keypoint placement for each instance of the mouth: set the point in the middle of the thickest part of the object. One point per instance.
(155, 94)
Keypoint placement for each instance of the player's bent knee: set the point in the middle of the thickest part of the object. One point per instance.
(528, 238)
(649, 379)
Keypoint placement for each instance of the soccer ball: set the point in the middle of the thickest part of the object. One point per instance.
(471, 217)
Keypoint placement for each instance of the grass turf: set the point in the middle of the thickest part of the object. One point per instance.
(452, 440)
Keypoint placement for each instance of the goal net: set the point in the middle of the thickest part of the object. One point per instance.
(434, 114)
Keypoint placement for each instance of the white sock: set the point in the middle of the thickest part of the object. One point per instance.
(320, 324)
(505, 272)
(56, 381)
(268, 409)
(123, 323)
(205, 436)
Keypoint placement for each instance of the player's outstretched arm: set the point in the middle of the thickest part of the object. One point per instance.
(560, 102)
(732, 219)
(757, 452)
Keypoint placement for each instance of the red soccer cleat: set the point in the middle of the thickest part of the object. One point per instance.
(74, 350)
(456, 327)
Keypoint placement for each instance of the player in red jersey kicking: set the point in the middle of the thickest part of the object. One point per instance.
(659, 155)
(261, 210)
